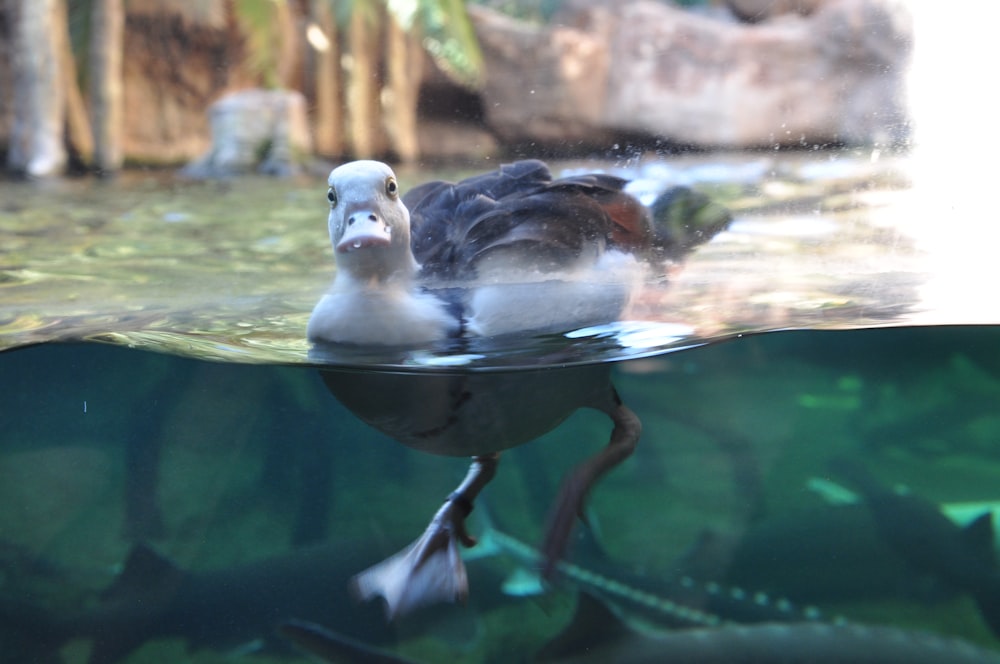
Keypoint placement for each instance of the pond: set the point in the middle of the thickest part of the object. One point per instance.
(177, 480)
(230, 270)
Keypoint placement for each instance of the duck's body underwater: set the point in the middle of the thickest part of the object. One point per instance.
(508, 252)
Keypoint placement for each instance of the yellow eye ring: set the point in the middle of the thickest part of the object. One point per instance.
(391, 188)
(331, 196)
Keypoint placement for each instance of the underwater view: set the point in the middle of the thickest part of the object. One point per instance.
(185, 477)
(159, 508)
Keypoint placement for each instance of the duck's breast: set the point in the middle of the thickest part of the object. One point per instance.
(466, 414)
(390, 316)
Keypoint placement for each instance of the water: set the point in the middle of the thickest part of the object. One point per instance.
(217, 465)
(231, 270)
(224, 451)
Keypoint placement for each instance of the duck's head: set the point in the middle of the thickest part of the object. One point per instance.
(369, 225)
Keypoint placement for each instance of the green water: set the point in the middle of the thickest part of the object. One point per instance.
(223, 451)
(251, 461)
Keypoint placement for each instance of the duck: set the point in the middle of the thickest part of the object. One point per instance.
(513, 251)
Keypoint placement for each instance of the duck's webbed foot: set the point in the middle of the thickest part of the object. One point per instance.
(573, 492)
(430, 570)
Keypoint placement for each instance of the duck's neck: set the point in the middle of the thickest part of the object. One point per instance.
(394, 282)
(377, 269)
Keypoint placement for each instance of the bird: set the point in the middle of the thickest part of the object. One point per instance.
(510, 252)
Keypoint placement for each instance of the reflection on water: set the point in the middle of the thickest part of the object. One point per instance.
(231, 270)
(259, 495)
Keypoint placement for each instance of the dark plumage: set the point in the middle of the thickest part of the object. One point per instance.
(520, 207)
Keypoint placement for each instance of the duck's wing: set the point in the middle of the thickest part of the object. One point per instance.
(440, 212)
(630, 224)
(674, 225)
(519, 211)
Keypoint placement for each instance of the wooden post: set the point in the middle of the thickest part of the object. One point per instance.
(329, 83)
(364, 84)
(405, 68)
(38, 100)
(107, 36)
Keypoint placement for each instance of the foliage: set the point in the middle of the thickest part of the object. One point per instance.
(447, 32)
(257, 20)
(448, 36)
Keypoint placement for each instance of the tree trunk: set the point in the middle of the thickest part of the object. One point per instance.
(364, 83)
(405, 64)
(291, 48)
(328, 119)
(37, 147)
(107, 35)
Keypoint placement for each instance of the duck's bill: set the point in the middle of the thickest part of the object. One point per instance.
(364, 236)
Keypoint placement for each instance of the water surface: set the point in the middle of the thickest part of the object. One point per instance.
(230, 270)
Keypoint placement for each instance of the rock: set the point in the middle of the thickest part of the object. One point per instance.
(646, 69)
(179, 57)
(255, 131)
(546, 84)
(455, 141)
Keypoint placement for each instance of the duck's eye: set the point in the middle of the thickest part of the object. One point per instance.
(391, 188)
(331, 195)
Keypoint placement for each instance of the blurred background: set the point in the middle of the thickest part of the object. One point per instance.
(92, 85)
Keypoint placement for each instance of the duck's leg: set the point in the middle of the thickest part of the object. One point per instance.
(430, 570)
(573, 492)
